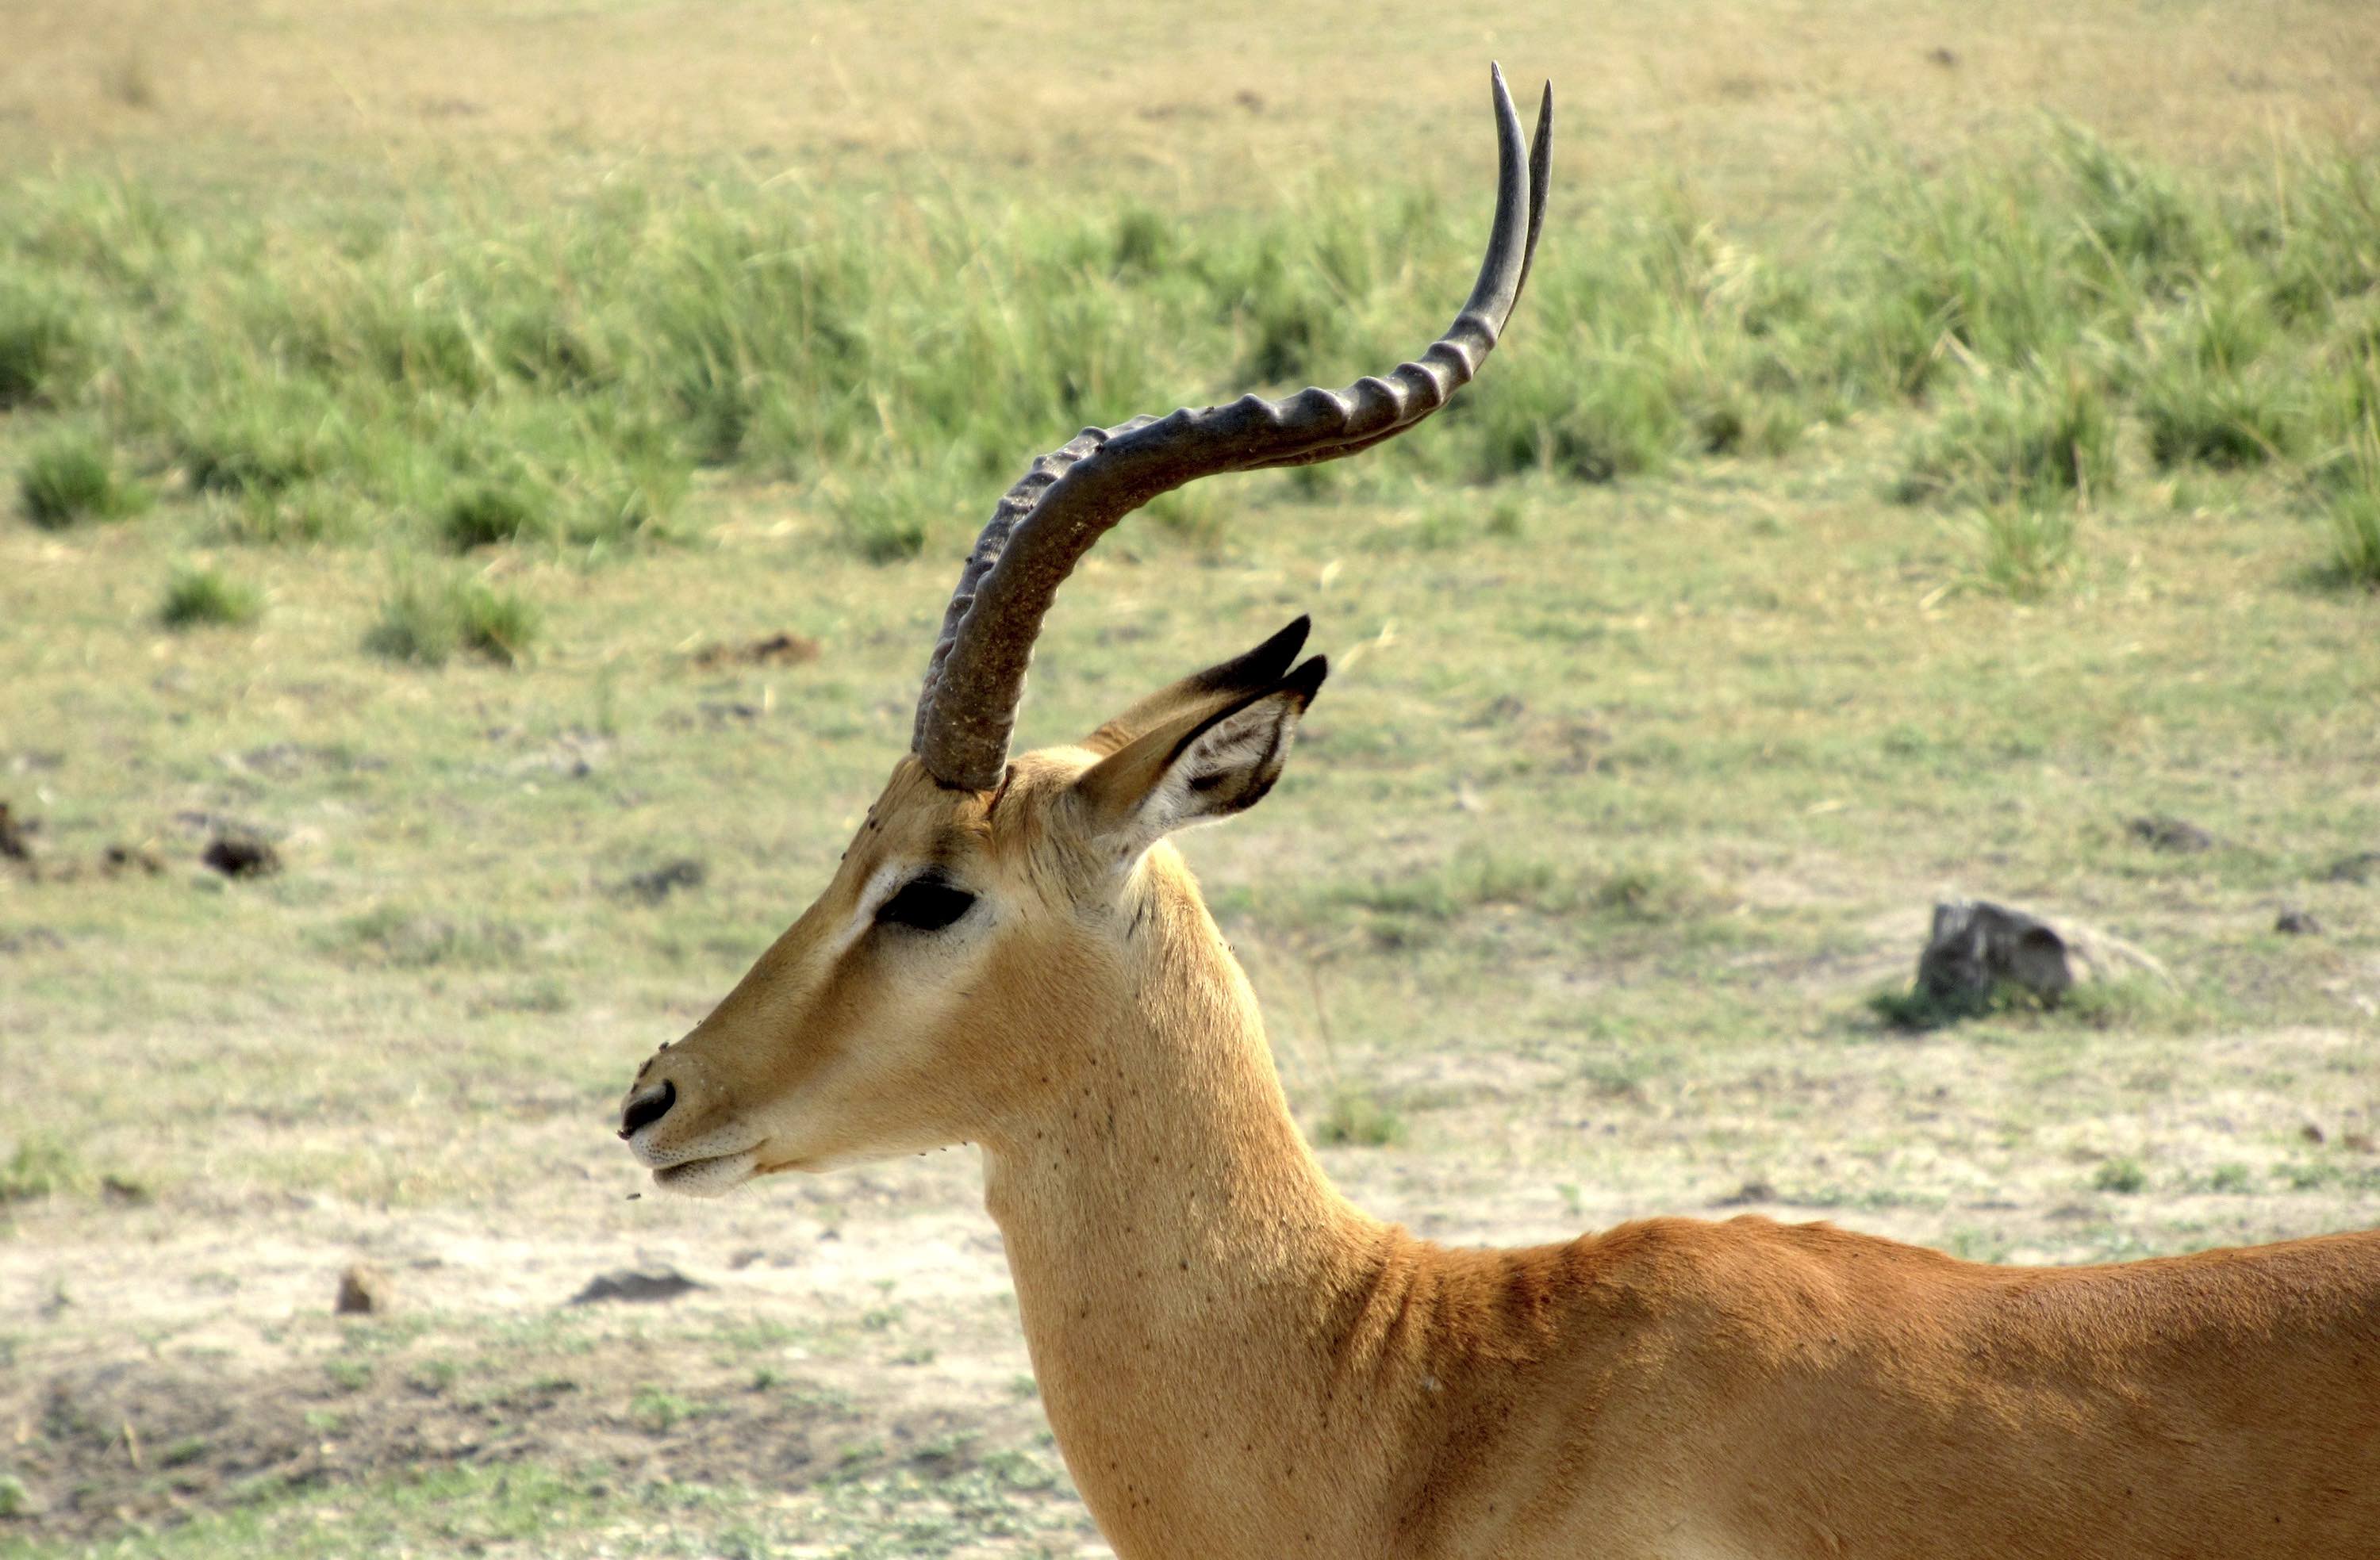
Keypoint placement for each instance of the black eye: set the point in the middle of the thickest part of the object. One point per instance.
(925, 904)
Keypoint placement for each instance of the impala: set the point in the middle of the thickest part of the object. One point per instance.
(1237, 1362)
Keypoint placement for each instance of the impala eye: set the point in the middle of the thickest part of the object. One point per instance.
(925, 904)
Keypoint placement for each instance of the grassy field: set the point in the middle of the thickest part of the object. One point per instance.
(508, 461)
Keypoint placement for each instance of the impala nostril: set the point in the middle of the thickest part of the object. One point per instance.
(647, 1108)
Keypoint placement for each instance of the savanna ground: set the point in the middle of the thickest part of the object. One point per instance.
(1930, 446)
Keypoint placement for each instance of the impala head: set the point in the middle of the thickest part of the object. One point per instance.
(979, 935)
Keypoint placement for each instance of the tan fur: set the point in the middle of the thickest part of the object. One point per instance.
(1239, 1363)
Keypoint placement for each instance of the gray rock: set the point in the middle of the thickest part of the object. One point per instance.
(1976, 946)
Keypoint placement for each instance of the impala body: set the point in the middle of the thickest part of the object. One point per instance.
(1237, 1362)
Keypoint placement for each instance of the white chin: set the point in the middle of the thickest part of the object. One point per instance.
(708, 1178)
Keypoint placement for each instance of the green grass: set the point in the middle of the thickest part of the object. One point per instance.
(1354, 1117)
(2225, 422)
(205, 598)
(2036, 436)
(41, 1165)
(37, 339)
(2125, 1176)
(72, 476)
(2022, 549)
(426, 623)
(2350, 507)
(488, 511)
(561, 377)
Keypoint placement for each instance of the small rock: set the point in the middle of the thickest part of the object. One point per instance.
(2360, 1143)
(2313, 1134)
(241, 855)
(2168, 833)
(1751, 1191)
(365, 1291)
(632, 1283)
(2298, 923)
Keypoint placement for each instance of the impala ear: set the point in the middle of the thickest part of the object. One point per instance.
(1198, 767)
(1252, 672)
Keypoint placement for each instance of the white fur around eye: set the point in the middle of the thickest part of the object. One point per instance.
(882, 884)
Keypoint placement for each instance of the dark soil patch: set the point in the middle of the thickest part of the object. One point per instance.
(241, 855)
(16, 843)
(662, 881)
(104, 1448)
(775, 650)
(2166, 833)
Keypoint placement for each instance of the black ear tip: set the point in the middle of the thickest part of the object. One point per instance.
(1307, 679)
(1272, 658)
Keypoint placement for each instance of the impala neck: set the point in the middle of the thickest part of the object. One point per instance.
(1186, 1273)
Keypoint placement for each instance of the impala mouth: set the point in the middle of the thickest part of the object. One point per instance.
(695, 1169)
(709, 1175)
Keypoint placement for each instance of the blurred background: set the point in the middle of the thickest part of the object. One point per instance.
(477, 486)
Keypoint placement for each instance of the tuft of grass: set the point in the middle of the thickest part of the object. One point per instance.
(2022, 549)
(426, 623)
(499, 624)
(2033, 435)
(198, 598)
(2214, 418)
(1191, 515)
(1357, 1118)
(891, 520)
(418, 623)
(308, 512)
(490, 511)
(72, 477)
(2125, 1002)
(2231, 1178)
(2352, 511)
(1585, 411)
(2125, 1176)
(41, 1165)
(37, 337)
(1919, 1012)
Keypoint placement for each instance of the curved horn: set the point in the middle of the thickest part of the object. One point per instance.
(1070, 497)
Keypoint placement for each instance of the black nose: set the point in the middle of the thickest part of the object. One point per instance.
(647, 1108)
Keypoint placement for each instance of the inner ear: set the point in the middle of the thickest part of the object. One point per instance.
(1202, 766)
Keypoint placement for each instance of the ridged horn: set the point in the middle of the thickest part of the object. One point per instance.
(1070, 498)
